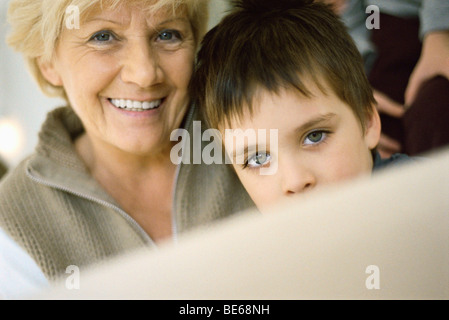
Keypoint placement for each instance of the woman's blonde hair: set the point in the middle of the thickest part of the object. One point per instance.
(36, 26)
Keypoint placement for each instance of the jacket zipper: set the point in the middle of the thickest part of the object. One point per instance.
(126, 216)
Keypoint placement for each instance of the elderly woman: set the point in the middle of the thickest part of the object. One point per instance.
(101, 181)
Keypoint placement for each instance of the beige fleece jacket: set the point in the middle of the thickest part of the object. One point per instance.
(61, 216)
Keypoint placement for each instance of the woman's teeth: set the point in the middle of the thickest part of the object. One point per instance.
(132, 105)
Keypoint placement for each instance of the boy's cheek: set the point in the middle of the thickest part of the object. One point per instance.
(263, 190)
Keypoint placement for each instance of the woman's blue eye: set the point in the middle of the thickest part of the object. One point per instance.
(102, 36)
(169, 35)
(166, 35)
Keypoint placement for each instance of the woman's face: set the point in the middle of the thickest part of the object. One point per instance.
(126, 75)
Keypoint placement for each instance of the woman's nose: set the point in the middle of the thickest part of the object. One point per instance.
(297, 179)
(141, 65)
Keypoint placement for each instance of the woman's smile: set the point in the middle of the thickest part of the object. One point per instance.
(136, 105)
(137, 109)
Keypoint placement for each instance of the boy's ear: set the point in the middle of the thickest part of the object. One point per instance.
(373, 129)
(49, 72)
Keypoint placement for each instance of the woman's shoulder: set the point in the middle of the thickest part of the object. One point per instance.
(13, 177)
(57, 226)
(17, 192)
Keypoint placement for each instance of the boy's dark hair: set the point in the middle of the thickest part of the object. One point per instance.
(274, 45)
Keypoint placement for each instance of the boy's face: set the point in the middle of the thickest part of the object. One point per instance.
(319, 142)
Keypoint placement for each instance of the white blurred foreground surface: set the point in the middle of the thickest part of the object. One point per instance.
(395, 226)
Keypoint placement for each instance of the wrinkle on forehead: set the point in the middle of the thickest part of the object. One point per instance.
(148, 7)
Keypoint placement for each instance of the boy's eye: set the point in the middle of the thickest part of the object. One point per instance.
(259, 160)
(315, 137)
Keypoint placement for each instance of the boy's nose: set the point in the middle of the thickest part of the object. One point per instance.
(297, 180)
(141, 65)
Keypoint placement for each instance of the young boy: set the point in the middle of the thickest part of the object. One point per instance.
(288, 68)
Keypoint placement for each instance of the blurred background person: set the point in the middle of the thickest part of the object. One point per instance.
(405, 46)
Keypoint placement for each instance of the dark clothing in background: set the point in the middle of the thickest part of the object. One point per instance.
(425, 125)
